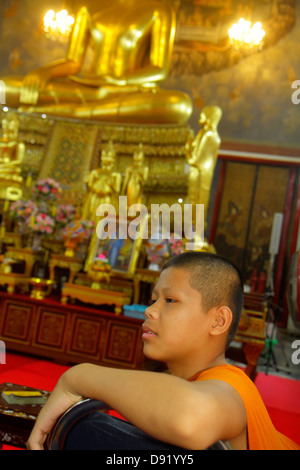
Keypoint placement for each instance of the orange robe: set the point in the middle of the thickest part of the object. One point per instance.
(261, 432)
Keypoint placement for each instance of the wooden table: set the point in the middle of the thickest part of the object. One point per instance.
(96, 296)
(73, 264)
(29, 256)
(17, 421)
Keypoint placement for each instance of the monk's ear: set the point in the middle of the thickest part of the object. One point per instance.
(221, 321)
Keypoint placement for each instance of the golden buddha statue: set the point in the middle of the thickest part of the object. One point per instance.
(201, 155)
(11, 158)
(135, 177)
(103, 184)
(131, 46)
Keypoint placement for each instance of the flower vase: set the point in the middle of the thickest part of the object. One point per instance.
(20, 227)
(36, 242)
(73, 235)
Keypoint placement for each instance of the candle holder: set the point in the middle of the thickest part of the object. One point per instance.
(40, 288)
(99, 272)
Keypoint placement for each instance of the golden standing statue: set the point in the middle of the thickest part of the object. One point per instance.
(131, 44)
(135, 177)
(103, 184)
(201, 155)
(11, 158)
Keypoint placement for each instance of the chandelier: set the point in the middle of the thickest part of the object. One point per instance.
(208, 40)
(57, 26)
(244, 34)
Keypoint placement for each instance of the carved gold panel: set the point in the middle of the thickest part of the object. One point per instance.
(50, 329)
(122, 344)
(86, 336)
(17, 321)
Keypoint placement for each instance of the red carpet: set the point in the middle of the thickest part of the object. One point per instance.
(281, 395)
(282, 399)
(33, 372)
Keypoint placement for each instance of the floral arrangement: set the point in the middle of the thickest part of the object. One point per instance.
(21, 210)
(64, 214)
(42, 216)
(47, 190)
(175, 246)
(41, 223)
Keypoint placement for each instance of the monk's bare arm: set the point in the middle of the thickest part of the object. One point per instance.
(186, 414)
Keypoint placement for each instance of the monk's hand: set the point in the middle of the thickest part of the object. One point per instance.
(58, 403)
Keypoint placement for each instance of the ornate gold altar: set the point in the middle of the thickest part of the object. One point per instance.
(52, 150)
(71, 167)
(68, 150)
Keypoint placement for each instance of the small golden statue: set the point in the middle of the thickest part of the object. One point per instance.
(201, 155)
(135, 177)
(115, 61)
(11, 158)
(103, 184)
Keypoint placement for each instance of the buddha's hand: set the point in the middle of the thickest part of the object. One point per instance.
(32, 84)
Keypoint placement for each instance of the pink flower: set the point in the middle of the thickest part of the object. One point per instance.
(22, 209)
(47, 187)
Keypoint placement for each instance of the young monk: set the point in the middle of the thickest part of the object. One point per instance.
(195, 311)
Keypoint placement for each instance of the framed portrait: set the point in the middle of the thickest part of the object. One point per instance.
(116, 242)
